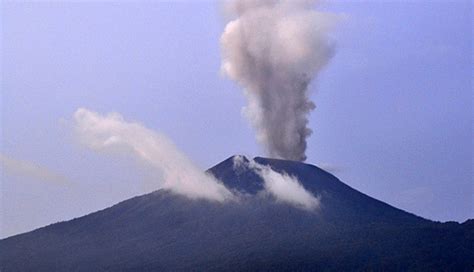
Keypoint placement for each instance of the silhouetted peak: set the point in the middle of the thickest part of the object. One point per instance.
(162, 231)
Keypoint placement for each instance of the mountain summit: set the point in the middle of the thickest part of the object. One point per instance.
(162, 231)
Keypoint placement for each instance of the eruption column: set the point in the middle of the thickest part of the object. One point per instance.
(273, 49)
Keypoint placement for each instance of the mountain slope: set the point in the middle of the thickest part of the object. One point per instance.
(162, 231)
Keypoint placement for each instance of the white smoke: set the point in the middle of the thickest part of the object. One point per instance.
(238, 161)
(181, 176)
(281, 186)
(273, 49)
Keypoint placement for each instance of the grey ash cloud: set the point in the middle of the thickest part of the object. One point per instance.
(273, 49)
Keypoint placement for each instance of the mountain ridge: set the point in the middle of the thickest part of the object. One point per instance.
(168, 232)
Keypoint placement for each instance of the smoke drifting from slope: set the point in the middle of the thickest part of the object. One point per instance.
(181, 176)
(286, 188)
(281, 186)
(273, 49)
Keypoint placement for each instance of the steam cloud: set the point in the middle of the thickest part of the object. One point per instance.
(287, 188)
(273, 49)
(281, 186)
(181, 176)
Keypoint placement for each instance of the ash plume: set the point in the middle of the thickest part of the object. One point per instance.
(273, 49)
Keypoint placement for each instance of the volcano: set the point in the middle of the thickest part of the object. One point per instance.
(162, 231)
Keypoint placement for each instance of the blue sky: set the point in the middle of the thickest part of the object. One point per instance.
(394, 109)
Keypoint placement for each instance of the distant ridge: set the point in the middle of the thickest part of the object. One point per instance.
(162, 231)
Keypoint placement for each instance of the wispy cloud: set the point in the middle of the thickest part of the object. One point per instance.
(181, 175)
(283, 187)
(332, 168)
(31, 170)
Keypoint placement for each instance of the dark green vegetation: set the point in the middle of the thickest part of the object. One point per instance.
(165, 232)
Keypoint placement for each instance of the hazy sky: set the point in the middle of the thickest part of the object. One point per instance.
(394, 109)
